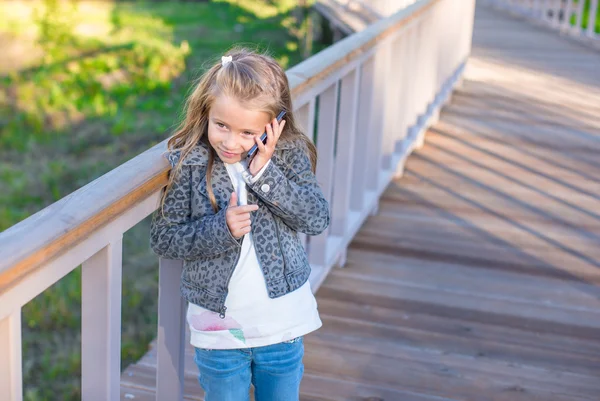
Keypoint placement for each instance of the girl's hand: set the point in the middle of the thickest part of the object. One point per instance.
(238, 217)
(265, 151)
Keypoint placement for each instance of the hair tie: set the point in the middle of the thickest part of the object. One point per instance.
(225, 60)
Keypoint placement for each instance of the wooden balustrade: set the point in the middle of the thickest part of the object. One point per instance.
(373, 94)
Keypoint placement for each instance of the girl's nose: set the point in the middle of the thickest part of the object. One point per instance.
(230, 141)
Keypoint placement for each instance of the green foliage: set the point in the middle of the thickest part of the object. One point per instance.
(64, 91)
(55, 21)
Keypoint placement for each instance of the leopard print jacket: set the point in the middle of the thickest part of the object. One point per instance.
(289, 199)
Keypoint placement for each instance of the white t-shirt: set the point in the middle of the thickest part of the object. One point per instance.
(252, 318)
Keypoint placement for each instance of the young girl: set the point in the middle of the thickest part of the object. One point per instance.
(235, 223)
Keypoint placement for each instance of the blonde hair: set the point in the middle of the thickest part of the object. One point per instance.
(255, 80)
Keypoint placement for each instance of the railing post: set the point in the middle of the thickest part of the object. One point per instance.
(376, 127)
(361, 160)
(555, 13)
(11, 370)
(417, 97)
(340, 208)
(413, 60)
(537, 8)
(579, 12)
(403, 95)
(326, 150)
(101, 278)
(170, 343)
(390, 105)
(431, 62)
(305, 116)
(546, 7)
(566, 23)
(592, 18)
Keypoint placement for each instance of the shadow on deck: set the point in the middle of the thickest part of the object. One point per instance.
(479, 278)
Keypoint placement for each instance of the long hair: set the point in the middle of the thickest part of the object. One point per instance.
(258, 82)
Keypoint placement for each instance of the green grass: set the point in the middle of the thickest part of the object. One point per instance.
(85, 87)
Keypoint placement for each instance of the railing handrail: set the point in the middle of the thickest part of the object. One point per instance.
(61, 225)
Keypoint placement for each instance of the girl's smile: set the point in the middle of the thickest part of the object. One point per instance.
(232, 128)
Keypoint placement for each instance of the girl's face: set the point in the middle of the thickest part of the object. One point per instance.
(232, 128)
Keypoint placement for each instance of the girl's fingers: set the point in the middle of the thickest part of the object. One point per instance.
(238, 232)
(237, 210)
(241, 219)
(261, 146)
(233, 199)
(280, 130)
(239, 216)
(238, 222)
(244, 224)
(270, 134)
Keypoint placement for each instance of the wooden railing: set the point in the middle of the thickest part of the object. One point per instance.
(374, 93)
(566, 16)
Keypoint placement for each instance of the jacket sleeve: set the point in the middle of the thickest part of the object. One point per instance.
(296, 198)
(174, 235)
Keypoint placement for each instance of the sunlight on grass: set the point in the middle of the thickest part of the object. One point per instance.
(122, 52)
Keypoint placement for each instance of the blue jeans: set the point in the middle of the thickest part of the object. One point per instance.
(274, 370)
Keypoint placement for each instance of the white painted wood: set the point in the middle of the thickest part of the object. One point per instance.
(557, 13)
(537, 8)
(61, 219)
(590, 31)
(348, 115)
(305, 116)
(566, 22)
(420, 76)
(402, 96)
(465, 32)
(546, 10)
(430, 87)
(326, 126)
(101, 280)
(412, 62)
(301, 73)
(170, 341)
(363, 136)
(11, 370)
(408, 104)
(390, 97)
(55, 269)
(579, 12)
(374, 145)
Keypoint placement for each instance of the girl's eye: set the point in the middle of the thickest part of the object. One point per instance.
(246, 133)
(220, 125)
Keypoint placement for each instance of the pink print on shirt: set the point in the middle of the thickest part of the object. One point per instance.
(210, 321)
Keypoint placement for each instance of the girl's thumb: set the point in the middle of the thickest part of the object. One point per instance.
(233, 199)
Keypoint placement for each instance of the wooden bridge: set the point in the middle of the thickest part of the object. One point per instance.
(472, 267)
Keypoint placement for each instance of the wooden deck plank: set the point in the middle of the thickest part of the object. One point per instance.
(470, 339)
(432, 377)
(479, 278)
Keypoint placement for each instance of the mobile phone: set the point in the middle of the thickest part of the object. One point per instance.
(263, 137)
